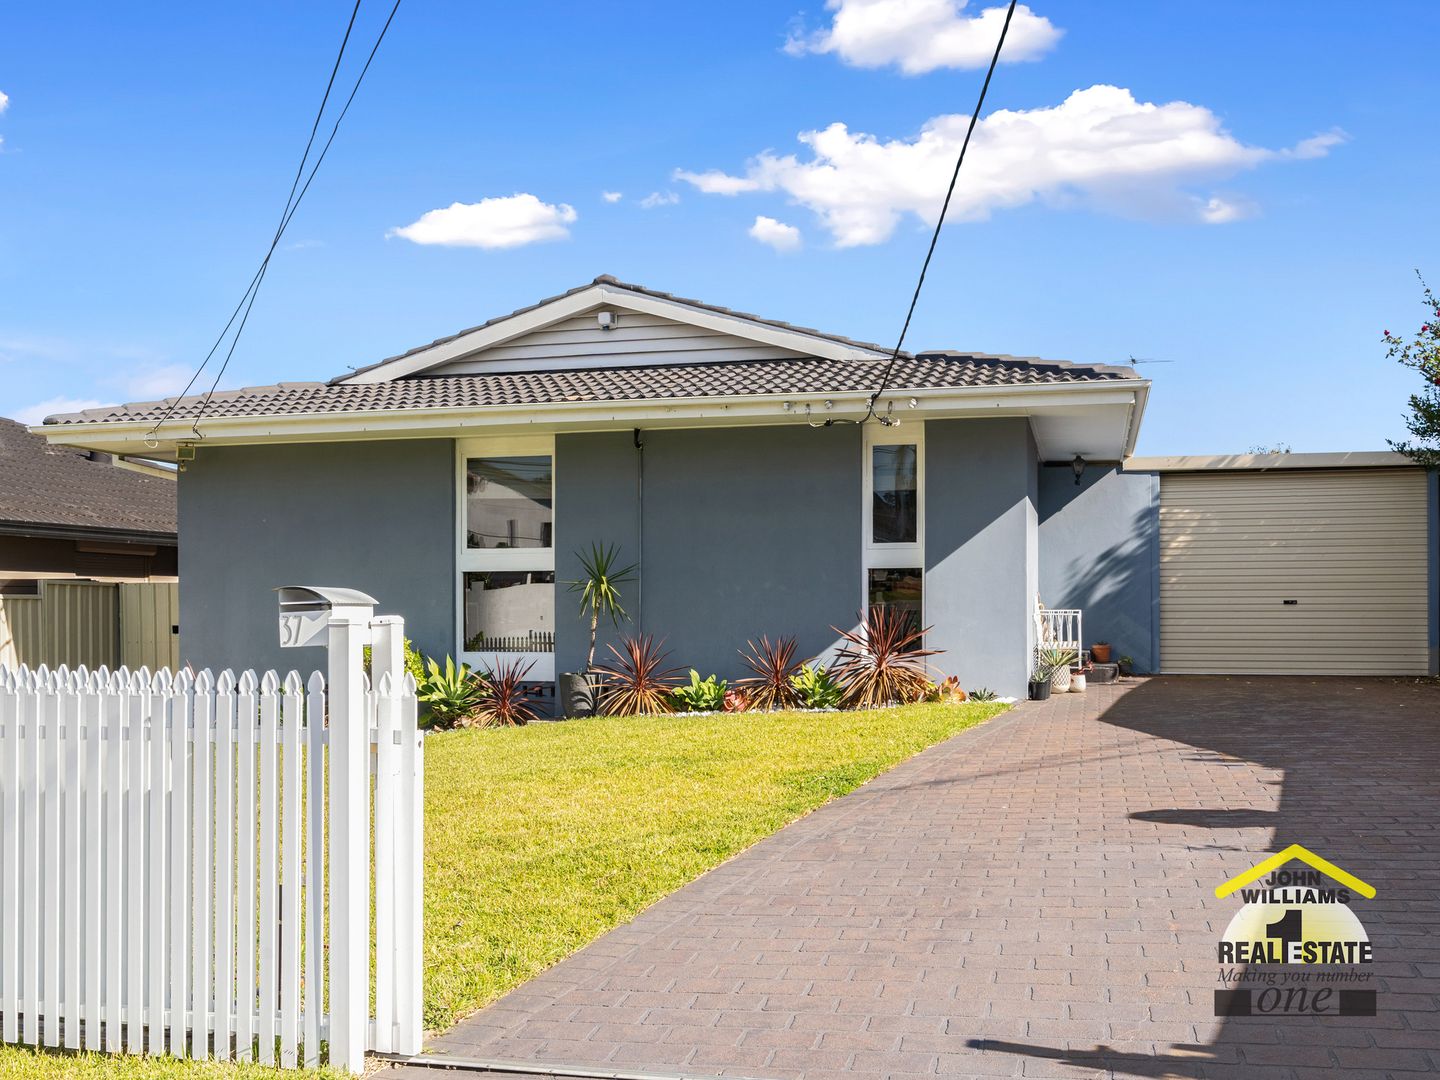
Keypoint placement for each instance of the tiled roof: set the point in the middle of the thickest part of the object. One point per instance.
(56, 486)
(790, 377)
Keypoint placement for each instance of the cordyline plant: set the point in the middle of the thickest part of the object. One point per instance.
(774, 665)
(882, 662)
(1421, 354)
(638, 683)
(599, 589)
(507, 700)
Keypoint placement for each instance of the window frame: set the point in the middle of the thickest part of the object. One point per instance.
(892, 556)
(483, 560)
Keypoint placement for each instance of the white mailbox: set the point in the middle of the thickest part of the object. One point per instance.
(306, 611)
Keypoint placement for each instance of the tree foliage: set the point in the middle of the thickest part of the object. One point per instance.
(1422, 355)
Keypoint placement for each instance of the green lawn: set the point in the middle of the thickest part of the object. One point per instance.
(540, 839)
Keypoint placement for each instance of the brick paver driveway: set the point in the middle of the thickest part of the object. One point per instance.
(1032, 898)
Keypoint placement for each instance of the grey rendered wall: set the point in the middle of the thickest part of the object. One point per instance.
(595, 503)
(375, 516)
(981, 555)
(1099, 551)
(745, 532)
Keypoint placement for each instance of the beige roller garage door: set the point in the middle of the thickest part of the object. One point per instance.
(1300, 572)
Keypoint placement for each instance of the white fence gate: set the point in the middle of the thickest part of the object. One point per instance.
(165, 851)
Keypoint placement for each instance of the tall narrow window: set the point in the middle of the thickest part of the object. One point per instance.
(894, 525)
(506, 554)
(895, 506)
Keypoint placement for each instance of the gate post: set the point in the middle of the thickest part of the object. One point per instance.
(349, 841)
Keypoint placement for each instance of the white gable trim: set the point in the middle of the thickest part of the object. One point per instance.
(466, 345)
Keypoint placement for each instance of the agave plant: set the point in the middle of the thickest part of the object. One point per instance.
(774, 665)
(816, 687)
(882, 662)
(449, 694)
(702, 695)
(638, 683)
(736, 701)
(507, 701)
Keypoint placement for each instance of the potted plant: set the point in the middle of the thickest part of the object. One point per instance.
(1077, 678)
(1056, 662)
(1127, 666)
(1040, 678)
(1100, 652)
(599, 589)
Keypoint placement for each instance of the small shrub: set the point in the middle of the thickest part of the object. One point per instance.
(951, 692)
(882, 663)
(983, 693)
(736, 701)
(815, 688)
(773, 664)
(507, 701)
(414, 662)
(448, 695)
(637, 683)
(702, 695)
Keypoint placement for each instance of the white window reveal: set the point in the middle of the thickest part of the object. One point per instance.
(506, 554)
(894, 518)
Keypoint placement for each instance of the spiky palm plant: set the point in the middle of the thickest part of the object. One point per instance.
(599, 589)
(507, 700)
(774, 665)
(637, 683)
(882, 661)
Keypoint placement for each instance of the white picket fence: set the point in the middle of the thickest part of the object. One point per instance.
(165, 852)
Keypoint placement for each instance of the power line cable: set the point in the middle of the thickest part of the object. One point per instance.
(247, 299)
(935, 236)
(289, 200)
(285, 221)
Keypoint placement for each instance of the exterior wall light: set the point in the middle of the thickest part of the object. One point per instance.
(1079, 466)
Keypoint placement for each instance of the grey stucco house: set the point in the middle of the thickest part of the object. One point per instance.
(456, 482)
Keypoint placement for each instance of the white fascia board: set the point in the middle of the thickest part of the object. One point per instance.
(496, 334)
(129, 436)
(607, 295)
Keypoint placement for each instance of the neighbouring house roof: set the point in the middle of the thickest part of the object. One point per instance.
(50, 487)
(806, 376)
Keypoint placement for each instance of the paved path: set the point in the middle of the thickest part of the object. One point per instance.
(1032, 898)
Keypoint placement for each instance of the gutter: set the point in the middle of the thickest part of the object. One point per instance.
(601, 415)
(43, 531)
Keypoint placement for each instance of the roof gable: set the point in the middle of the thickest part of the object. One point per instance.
(562, 333)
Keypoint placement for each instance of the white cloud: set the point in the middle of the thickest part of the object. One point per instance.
(160, 382)
(659, 198)
(1099, 148)
(507, 222)
(612, 196)
(777, 234)
(921, 35)
(4, 101)
(35, 414)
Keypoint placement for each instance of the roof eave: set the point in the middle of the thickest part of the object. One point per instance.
(126, 436)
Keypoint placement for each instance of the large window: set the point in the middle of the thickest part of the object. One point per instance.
(894, 513)
(506, 553)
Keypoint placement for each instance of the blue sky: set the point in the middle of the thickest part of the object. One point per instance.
(1258, 229)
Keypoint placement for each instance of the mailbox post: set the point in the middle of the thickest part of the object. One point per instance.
(343, 620)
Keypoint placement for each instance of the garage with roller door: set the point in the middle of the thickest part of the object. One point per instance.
(1296, 571)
